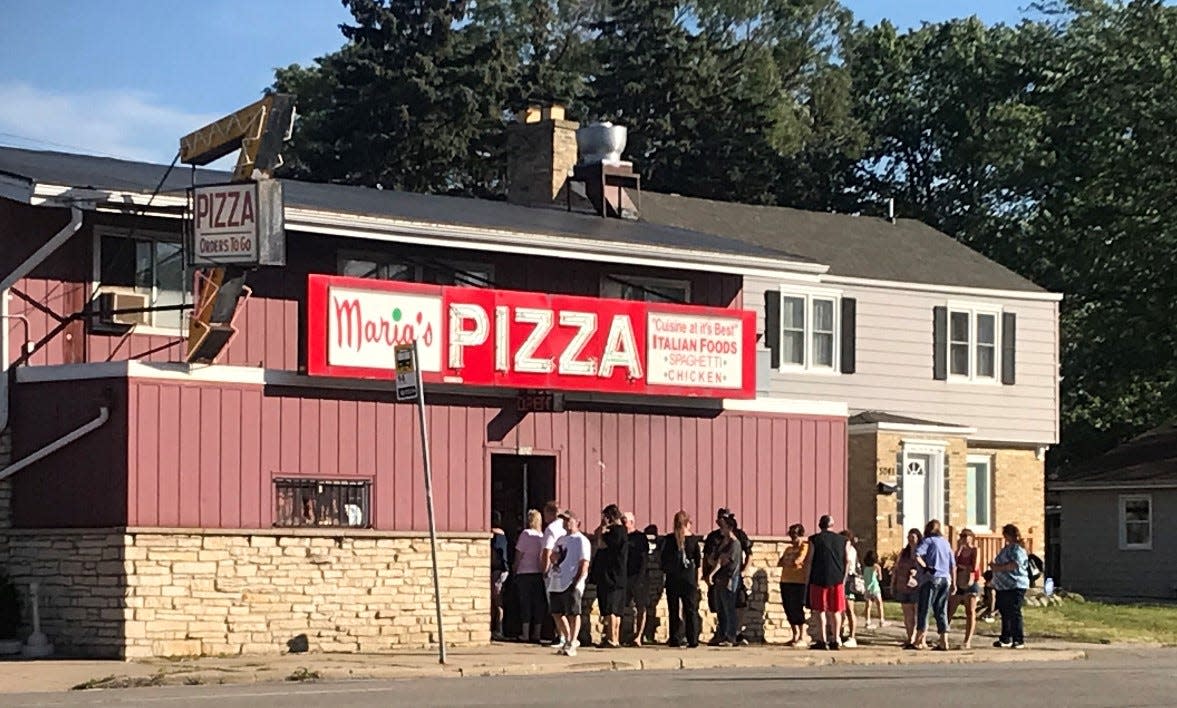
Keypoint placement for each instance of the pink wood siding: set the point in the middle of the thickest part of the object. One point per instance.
(83, 485)
(205, 455)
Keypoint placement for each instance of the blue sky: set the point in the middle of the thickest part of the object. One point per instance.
(127, 78)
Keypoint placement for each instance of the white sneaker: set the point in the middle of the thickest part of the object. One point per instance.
(561, 647)
(570, 650)
(882, 623)
(850, 643)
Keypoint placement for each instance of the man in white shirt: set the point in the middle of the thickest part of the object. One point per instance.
(566, 581)
(553, 530)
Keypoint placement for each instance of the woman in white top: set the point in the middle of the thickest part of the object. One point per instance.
(852, 572)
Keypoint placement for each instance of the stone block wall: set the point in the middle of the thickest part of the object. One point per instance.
(764, 619)
(214, 594)
(138, 594)
(82, 577)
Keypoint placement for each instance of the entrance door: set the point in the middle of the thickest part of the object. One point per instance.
(923, 485)
(519, 483)
(915, 491)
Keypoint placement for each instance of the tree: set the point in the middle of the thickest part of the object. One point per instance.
(412, 101)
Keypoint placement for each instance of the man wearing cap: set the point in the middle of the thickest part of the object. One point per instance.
(553, 530)
(570, 565)
(826, 568)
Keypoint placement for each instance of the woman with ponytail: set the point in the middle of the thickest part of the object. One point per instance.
(681, 559)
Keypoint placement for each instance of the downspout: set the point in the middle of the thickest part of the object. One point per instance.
(38, 257)
(103, 416)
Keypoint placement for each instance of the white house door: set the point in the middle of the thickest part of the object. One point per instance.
(923, 488)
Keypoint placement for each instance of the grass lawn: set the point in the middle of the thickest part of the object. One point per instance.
(1095, 622)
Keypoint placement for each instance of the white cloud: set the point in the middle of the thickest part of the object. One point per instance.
(126, 123)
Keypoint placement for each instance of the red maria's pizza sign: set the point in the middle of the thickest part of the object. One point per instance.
(509, 339)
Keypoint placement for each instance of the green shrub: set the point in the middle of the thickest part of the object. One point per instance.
(9, 608)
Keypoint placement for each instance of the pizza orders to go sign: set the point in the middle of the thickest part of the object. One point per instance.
(238, 224)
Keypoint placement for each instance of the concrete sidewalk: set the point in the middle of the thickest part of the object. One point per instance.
(500, 659)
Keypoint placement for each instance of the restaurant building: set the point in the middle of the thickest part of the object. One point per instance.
(274, 500)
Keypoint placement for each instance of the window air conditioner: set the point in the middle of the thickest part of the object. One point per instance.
(111, 301)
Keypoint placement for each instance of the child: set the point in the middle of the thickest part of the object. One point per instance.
(874, 594)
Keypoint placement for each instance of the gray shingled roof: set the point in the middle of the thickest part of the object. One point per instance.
(87, 171)
(1151, 457)
(858, 246)
(906, 251)
(873, 417)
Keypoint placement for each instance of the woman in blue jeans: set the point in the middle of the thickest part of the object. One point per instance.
(1011, 580)
(726, 561)
(938, 580)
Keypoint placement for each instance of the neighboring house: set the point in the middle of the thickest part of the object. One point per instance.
(947, 360)
(1118, 518)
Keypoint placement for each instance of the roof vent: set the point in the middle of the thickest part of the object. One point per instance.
(606, 177)
(601, 143)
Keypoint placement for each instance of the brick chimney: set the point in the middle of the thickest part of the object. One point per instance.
(541, 152)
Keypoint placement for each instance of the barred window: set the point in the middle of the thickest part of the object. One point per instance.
(320, 502)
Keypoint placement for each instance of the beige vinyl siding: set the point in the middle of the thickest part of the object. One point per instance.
(894, 364)
(1092, 562)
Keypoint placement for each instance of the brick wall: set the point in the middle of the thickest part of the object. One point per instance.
(1019, 492)
(1018, 488)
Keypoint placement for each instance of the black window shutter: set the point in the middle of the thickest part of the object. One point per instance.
(940, 343)
(849, 330)
(1009, 347)
(772, 326)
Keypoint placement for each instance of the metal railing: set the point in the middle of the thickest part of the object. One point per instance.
(318, 503)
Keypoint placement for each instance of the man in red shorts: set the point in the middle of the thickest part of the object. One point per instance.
(826, 564)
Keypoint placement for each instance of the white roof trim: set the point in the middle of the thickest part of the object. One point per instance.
(961, 430)
(837, 409)
(376, 228)
(255, 376)
(943, 289)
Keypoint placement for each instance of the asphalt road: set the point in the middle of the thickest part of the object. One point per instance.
(1111, 677)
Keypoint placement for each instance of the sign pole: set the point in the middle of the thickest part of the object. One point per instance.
(429, 503)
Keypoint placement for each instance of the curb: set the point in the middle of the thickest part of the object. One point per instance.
(203, 676)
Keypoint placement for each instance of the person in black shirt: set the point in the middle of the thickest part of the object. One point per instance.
(637, 589)
(611, 573)
(680, 559)
(826, 567)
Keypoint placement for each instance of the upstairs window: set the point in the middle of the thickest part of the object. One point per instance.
(810, 331)
(149, 265)
(387, 267)
(974, 343)
(643, 289)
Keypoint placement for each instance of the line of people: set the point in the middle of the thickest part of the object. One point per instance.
(554, 561)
